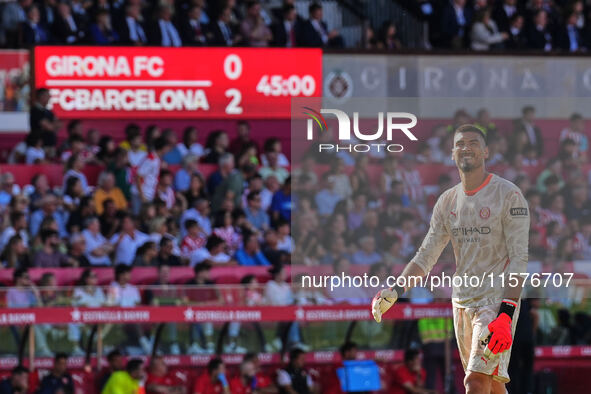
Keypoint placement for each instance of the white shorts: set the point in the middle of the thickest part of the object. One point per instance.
(468, 324)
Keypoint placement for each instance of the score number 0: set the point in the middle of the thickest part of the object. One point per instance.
(233, 71)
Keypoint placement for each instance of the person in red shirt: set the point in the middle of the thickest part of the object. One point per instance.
(409, 377)
(160, 381)
(214, 380)
(348, 352)
(246, 381)
(264, 381)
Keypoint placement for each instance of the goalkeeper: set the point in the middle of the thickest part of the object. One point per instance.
(486, 218)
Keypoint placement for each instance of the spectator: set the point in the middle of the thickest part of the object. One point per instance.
(164, 190)
(145, 255)
(281, 203)
(59, 381)
(294, 378)
(166, 253)
(159, 381)
(220, 31)
(13, 14)
(526, 123)
(485, 35)
(213, 251)
(538, 35)
(285, 242)
(32, 31)
(127, 381)
(127, 241)
(49, 256)
(34, 153)
(255, 213)
(389, 36)
(224, 228)
(164, 33)
(87, 293)
(76, 251)
(148, 172)
(455, 20)
(196, 188)
(193, 30)
(200, 213)
(43, 120)
(74, 167)
(576, 133)
(367, 253)
(286, 29)
(17, 382)
(18, 227)
(102, 32)
(66, 28)
(315, 32)
(98, 248)
(48, 12)
(227, 182)
(253, 27)
(202, 292)
(504, 14)
(516, 38)
(213, 380)
(569, 37)
(189, 145)
(250, 254)
(242, 139)
(107, 190)
(72, 194)
(194, 240)
(215, 146)
(246, 380)
(15, 253)
(114, 364)
(131, 30)
(273, 145)
(410, 377)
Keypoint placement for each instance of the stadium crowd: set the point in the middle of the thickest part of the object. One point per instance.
(479, 25)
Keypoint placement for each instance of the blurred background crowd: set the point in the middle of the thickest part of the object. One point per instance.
(478, 25)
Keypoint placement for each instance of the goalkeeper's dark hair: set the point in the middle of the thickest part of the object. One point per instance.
(466, 128)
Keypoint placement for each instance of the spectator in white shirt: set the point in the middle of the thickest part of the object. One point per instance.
(122, 293)
(34, 153)
(97, 247)
(127, 241)
(214, 251)
(149, 170)
(200, 214)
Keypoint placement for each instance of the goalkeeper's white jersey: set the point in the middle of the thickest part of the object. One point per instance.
(489, 231)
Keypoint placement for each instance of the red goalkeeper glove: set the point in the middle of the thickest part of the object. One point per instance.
(498, 336)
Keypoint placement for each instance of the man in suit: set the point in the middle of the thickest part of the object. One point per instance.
(526, 123)
(315, 32)
(286, 29)
(192, 29)
(455, 20)
(48, 12)
(538, 35)
(163, 32)
(131, 30)
(32, 32)
(569, 37)
(66, 29)
(503, 13)
(220, 31)
(516, 38)
(13, 14)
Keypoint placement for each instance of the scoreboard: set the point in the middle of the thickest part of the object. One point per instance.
(176, 83)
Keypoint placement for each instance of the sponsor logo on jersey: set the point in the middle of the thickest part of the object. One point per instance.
(470, 230)
(518, 211)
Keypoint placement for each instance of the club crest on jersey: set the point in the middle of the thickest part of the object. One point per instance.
(485, 212)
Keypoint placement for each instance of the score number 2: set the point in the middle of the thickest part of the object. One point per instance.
(233, 71)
